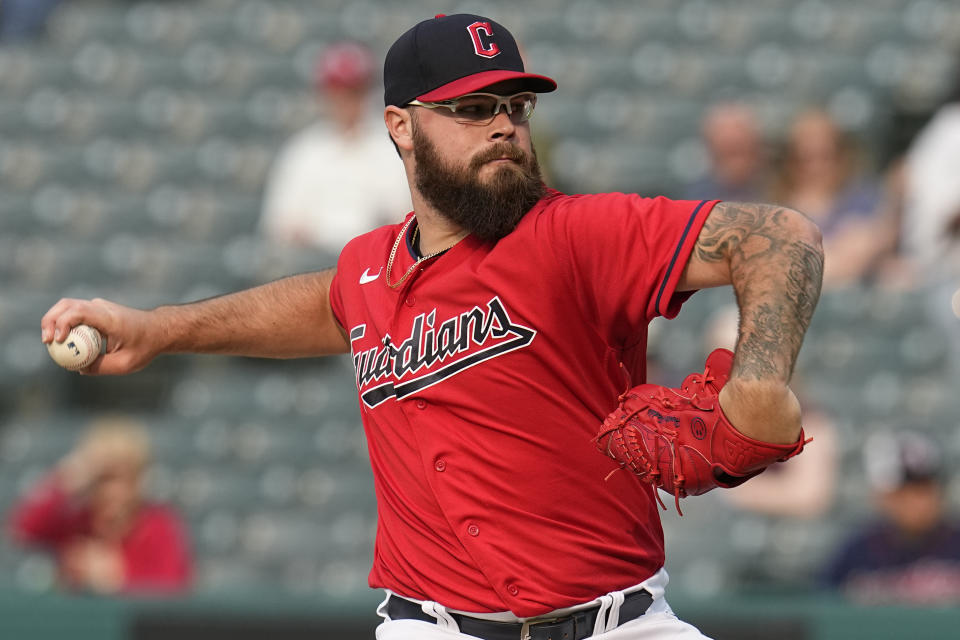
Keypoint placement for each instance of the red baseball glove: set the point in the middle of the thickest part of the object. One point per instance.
(679, 440)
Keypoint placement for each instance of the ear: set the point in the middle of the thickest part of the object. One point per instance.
(400, 125)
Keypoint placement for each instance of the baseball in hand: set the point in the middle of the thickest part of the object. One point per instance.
(78, 350)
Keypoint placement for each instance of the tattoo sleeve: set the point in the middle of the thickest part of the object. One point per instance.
(776, 268)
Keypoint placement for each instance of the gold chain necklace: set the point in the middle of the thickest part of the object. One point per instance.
(393, 254)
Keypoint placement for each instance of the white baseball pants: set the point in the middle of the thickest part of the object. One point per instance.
(658, 623)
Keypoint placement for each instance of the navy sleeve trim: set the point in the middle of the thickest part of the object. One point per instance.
(676, 253)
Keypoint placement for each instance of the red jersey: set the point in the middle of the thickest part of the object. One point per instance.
(154, 553)
(482, 380)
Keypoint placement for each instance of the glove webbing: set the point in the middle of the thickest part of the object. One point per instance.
(695, 382)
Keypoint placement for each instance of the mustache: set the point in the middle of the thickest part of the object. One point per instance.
(500, 150)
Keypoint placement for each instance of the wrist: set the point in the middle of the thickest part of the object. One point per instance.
(163, 329)
(765, 410)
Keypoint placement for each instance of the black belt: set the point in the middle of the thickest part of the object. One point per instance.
(575, 626)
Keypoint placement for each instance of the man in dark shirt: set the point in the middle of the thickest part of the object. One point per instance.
(911, 553)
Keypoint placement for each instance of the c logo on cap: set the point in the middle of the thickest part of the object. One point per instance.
(482, 35)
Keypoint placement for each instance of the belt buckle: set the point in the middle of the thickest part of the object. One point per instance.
(525, 626)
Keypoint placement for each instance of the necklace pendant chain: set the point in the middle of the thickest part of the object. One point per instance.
(393, 255)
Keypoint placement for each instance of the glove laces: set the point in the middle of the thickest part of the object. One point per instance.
(668, 434)
(696, 386)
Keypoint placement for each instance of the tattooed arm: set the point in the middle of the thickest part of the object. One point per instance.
(773, 258)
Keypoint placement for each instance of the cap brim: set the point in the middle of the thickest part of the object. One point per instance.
(477, 81)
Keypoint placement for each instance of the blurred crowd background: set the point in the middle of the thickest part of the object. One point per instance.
(155, 152)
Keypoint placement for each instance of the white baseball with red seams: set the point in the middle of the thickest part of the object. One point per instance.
(78, 350)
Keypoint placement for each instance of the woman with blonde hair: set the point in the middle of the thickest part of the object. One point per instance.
(90, 511)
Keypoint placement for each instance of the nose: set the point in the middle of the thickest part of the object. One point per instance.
(502, 127)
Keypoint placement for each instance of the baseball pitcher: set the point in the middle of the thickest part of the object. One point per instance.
(516, 480)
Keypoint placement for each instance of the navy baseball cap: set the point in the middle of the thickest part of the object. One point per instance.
(449, 56)
(895, 459)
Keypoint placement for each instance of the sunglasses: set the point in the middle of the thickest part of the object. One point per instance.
(482, 108)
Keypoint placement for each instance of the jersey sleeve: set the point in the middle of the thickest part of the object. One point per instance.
(336, 300)
(624, 255)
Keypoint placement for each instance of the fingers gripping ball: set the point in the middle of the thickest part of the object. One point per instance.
(78, 350)
(679, 440)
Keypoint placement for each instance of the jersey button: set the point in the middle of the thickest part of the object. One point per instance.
(421, 404)
(513, 589)
(410, 300)
(440, 465)
(473, 530)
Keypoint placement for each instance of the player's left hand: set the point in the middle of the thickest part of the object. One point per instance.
(680, 440)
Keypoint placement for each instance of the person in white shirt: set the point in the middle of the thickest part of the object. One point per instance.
(931, 219)
(932, 207)
(340, 176)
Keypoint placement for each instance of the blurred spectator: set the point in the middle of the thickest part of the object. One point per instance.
(820, 176)
(931, 219)
(932, 226)
(738, 156)
(911, 554)
(340, 177)
(802, 487)
(24, 19)
(91, 513)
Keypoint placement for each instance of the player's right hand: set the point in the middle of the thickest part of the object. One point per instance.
(130, 334)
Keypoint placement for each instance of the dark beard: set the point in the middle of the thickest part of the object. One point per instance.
(488, 211)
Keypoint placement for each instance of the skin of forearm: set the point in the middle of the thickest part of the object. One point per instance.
(775, 258)
(287, 318)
